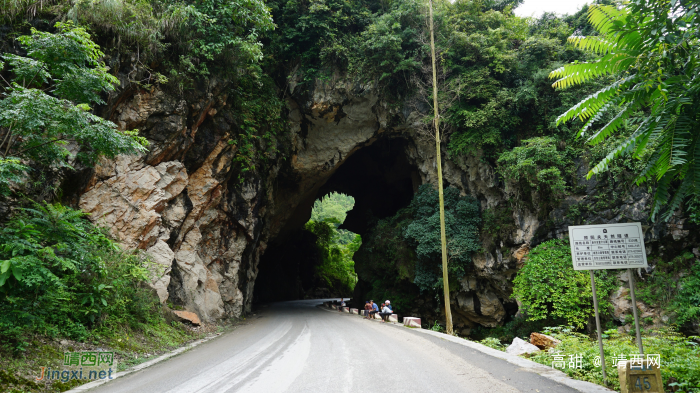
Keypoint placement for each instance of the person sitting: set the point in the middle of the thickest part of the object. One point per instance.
(388, 304)
(374, 309)
(368, 308)
(386, 311)
(342, 302)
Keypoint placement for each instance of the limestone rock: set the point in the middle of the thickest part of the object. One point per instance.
(129, 203)
(491, 312)
(519, 347)
(543, 341)
(521, 253)
(622, 306)
(187, 316)
(162, 257)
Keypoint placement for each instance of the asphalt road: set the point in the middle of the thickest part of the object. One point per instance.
(297, 347)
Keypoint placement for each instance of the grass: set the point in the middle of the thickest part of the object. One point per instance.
(680, 355)
(131, 346)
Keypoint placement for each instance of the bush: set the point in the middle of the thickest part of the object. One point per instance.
(536, 166)
(549, 287)
(61, 276)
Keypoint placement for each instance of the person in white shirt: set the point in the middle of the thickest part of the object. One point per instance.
(386, 311)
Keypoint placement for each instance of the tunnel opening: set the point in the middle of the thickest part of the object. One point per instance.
(380, 180)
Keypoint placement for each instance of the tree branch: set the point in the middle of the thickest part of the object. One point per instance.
(45, 143)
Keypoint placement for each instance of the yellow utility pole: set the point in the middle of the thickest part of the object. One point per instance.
(443, 238)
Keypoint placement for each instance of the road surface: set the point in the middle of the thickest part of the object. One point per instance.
(297, 347)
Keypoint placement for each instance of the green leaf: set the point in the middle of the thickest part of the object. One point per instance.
(4, 266)
(17, 272)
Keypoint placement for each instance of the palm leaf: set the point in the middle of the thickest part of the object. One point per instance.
(596, 44)
(595, 102)
(614, 124)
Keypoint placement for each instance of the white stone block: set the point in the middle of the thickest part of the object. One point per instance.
(411, 322)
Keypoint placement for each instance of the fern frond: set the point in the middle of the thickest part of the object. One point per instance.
(602, 17)
(675, 202)
(661, 196)
(596, 44)
(578, 73)
(614, 124)
(623, 148)
(595, 102)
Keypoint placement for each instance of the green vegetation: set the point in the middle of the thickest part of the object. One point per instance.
(38, 126)
(60, 276)
(63, 278)
(549, 287)
(177, 45)
(553, 293)
(651, 48)
(680, 356)
(400, 256)
(462, 220)
(536, 166)
(333, 209)
(674, 286)
(337, 246)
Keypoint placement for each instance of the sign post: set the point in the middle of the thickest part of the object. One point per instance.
(597, 325)
(609, 246)
(630, 274)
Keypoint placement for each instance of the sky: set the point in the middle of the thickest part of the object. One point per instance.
(537, 7)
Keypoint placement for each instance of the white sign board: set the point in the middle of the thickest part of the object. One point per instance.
(607, 246)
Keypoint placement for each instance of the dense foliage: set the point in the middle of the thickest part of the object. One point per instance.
(549, 287)
(651, 47)
(537, 166)
(41, 126)
(462, 221)
(333, 209)
(401, 256)
(388, 262)
(336, 246)
(675, 286)
(61, 276)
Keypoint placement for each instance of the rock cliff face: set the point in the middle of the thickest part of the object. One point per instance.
(207, 225)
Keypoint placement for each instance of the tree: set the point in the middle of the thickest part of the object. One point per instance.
(462, 220)
(38, 126)
(653, 48)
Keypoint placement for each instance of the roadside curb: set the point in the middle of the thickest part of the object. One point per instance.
(138, 367)
(546, 372)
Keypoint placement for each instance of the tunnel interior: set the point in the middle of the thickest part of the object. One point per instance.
(381, 180)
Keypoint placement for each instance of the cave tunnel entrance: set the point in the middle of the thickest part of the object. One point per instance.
(380, 179)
